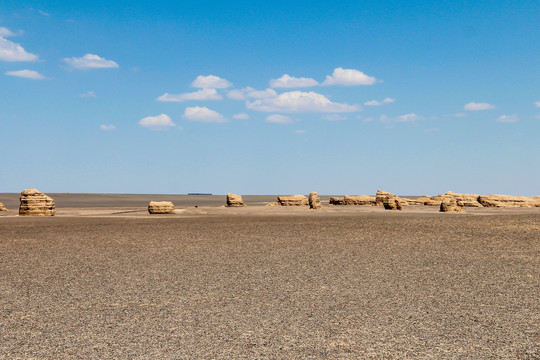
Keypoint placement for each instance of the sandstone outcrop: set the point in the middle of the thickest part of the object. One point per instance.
(334, 200)
(430, 200)
(506, 201)
(392, 203)
(450, 204)
(359, 200)
(412, 201)
(160, 207)
(380, 196)
(292, 200)
(314, 201)
(35, 203)
(2, 207)
(234, 200)
(469, 200)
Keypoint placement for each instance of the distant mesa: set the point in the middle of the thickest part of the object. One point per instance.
(234, 200)
(35, 203)
(314, 201)
(2, 207)
(359, 200)
(290, 200)
(199, 193)
(161, 207)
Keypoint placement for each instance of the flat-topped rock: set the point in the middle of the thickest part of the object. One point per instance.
(450, 204)
(35, 203)
(314, 201)
(160, 207)
(469, 200)
(335, 200)
(506, 201)
(359, 200)
(292, 200)
(380, 196)
(234, 200)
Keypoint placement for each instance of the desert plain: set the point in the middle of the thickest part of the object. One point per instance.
(103, 279)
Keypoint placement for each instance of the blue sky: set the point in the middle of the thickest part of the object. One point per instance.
(280, 97)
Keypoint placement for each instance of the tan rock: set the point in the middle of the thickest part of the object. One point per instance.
(430, 200)
(292, 200)
(380, 196)
(412, 201)
(450, 204)
(392, 203)
(314, 201)
(469, 200)
(359, 200)
(506, 201)
(160, 207)
(234, 200)
(35, 203)
(2, 207)
(334, 200)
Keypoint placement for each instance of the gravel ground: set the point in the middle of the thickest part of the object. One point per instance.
(349, 286)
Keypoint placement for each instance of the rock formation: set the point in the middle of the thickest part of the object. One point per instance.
(381, 195)
(506, 201)
(234, 200)
(359, 200)
(292, 200)
(2, 207)
(161, 207)
(470, 200)
(314, 201)
(450, 204)
(334, 200)
(392, 203)
(36, 203)
(430, 200)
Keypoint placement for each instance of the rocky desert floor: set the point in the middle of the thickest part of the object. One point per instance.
(105, 280)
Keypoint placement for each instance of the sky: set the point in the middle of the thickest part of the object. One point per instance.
(273, 97)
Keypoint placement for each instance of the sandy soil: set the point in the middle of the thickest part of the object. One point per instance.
(270, 283)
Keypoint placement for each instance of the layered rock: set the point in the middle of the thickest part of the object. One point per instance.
(359, 200)
(380, 196)
(506, 201)
(234, 200)
(412, 201)
(314, 201)
(430, 200)
(469, 200)
(450, 204)
(392, 203)
(160, 207)
(35, 203)
(292, 200)
(2, 207)
(334, 200)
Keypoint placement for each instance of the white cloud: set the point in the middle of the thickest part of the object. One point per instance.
(300, 131)
(472, 106)
(537, 103)
(203, 114)
(159, 122)
(27, 74)
(241, 116)
(10, 51)
(379, 103)
(5, 32)
(298, 101)
(251, 93)
(287, 81)
(335, 117)
(44, 13)
(90, 61)
(210, 82)
(278, 119)
(508, 118)
(89, 94)
(107, 127)
(203, 94)
(412, 117)
(349, 77)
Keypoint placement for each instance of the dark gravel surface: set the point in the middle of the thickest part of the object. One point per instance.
(276, 287)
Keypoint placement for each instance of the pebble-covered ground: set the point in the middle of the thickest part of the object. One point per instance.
(350, 286)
